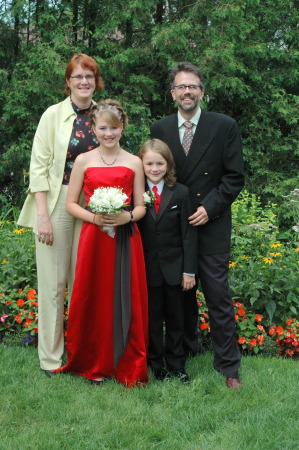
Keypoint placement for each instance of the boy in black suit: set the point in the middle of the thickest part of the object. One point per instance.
(170, 250)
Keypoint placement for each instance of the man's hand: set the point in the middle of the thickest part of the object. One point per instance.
(200, 217)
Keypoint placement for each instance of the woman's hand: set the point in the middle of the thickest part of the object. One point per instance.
(45, 232)
(44, 226)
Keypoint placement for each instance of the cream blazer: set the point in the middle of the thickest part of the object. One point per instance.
(48, 157)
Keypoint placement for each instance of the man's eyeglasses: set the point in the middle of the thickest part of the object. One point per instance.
(191, 87)
(80, 77)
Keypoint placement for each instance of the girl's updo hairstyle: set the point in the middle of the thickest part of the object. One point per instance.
(111, 111)
(158, 146)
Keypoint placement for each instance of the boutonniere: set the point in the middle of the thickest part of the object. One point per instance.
(148, 198)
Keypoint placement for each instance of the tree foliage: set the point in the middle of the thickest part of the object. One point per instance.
(247, 49)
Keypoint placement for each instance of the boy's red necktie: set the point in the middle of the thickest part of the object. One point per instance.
(157, 201)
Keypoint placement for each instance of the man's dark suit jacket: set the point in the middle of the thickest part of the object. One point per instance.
(213, 171)
(169, 242)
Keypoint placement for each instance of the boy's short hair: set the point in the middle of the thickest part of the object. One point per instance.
(158, 146)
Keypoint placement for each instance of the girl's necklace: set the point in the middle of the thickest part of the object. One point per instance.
(107, 164)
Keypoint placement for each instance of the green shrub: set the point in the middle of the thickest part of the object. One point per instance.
(254, 225)
(17, 257)
(264, 266)
(268, 283)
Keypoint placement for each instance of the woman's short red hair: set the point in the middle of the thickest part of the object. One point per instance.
(87, 63)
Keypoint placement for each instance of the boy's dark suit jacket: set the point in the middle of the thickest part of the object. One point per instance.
(169, 242)
(213, 171)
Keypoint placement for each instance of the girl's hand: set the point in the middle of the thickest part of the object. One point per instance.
(188, 282)
(113, 220)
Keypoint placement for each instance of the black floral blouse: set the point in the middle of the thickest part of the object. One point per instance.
(82, 140)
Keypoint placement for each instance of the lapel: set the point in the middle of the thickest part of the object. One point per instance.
(166, 196)
(151, 208)
(200, 143)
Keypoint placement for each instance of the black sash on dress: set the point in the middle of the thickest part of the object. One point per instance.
(122, 289)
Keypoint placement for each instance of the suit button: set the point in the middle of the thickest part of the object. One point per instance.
(158, 232)
(198, 195)
(206, 173)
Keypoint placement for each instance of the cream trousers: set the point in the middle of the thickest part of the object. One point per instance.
(55, 270)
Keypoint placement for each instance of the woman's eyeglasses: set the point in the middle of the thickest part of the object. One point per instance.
(80, 77)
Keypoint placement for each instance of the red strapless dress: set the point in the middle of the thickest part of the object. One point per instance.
(96, 319)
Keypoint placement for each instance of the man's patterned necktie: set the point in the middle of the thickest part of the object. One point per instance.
(188, 136)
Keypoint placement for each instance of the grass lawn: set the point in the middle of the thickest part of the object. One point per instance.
(66, 412)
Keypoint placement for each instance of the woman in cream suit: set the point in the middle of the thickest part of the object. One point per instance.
(62, 134)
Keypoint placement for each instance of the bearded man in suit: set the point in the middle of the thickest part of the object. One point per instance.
(208, 155)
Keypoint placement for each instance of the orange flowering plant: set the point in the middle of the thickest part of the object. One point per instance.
(287, 338)
(203, 314)
(205, 343)
(253, 336)
(19, 315)
(18, 312)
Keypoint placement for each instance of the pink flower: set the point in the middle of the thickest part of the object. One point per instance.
(3, 318)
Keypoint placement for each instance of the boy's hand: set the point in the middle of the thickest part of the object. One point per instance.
(188, 282)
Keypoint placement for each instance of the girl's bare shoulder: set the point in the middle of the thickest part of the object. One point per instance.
(90, 157)
(132, 160)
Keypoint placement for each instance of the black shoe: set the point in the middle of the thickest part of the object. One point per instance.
(50, 373)
(181, 375)
(161, 374)
(99, 381)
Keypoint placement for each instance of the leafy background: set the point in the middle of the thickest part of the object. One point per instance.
(248, 51)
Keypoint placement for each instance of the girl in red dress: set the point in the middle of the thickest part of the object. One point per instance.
(108, 319)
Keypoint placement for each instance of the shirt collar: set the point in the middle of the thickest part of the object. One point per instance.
(160, 185)
(193, 119)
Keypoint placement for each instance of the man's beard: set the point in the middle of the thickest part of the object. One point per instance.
(189, 107)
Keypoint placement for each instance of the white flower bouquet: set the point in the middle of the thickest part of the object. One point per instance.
(108, 200)
(148, 198)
